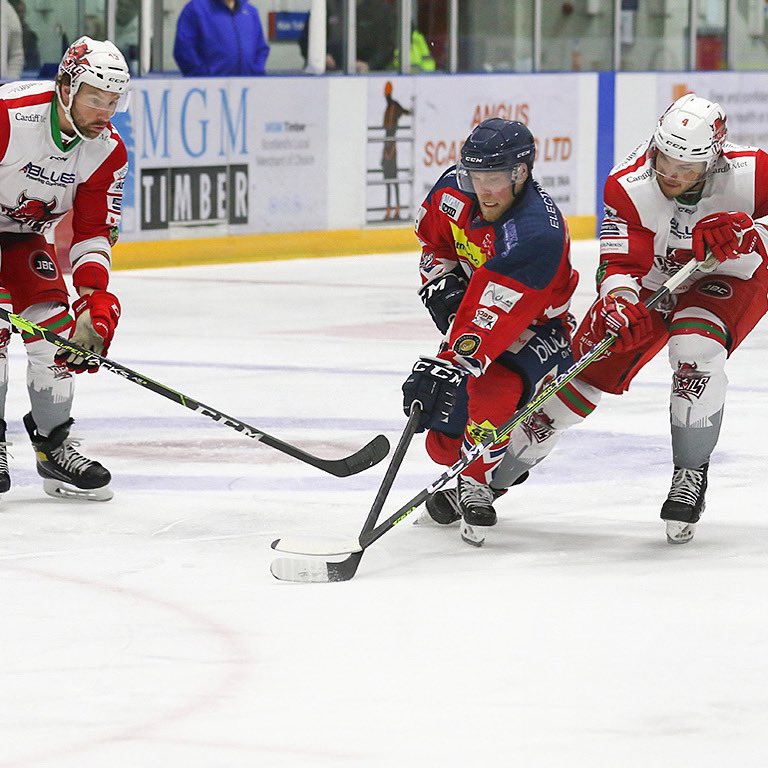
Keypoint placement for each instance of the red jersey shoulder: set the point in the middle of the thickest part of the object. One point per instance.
(27, 93)
(635, 160)
(446, 198)
(120, 153)
(618, 202)
(737, 158)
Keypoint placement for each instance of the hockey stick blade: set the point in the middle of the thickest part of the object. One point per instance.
(306, 571)
(316, 546)
(370, 454)
(314, 571)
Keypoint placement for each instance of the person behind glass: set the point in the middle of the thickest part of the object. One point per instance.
(219, 38)
(376, 35)
(497, 281)
(29, 37)
(58, 154)
(421, 54)
(334, 37)
(13, 38)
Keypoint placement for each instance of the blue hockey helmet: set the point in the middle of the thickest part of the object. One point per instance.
(496, 145)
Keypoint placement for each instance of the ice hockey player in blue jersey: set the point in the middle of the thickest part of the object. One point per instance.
(497, 281)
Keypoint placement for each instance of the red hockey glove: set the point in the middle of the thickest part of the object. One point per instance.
(726, 235)
(96, 317)
(630, 323)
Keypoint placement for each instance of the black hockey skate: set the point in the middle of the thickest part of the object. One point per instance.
(443, 506)
(5, 475)
(65, 471)
(685, 503)
(477, 512)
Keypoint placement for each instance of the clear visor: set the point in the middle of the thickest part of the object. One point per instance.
(104, 101)
(473, 180)
(679, 170)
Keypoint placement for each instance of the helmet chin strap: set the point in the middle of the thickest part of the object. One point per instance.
(67, 107)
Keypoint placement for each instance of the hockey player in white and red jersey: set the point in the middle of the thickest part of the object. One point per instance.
(60, 153)
(683, 194)
(497, 281)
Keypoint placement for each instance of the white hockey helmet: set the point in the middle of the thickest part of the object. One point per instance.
(693, 130)
(97, 63)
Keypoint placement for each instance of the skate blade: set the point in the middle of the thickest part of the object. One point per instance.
(678, 532)
(474, 535)
(426, 519)
(60, 490)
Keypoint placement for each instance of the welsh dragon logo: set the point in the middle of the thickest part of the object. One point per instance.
(31, 212)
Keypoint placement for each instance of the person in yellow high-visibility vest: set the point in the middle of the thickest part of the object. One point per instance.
(421, 56)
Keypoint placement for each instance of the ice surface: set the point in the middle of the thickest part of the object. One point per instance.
(148, 631)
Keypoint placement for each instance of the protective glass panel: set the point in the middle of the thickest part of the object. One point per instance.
(496, 36)
(335, 36)
(750, 20)
(377, 35)
(577, 35)
(49, 26)
(94, 20)
(127, 15)
(286, 28)
(654, 35)
(429, 36)
(711, 41)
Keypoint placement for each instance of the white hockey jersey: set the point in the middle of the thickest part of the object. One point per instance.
(42, 178)
(645, 237)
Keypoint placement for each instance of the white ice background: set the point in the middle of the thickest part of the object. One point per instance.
(148, 631)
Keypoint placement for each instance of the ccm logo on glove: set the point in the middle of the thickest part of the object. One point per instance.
(434, 383)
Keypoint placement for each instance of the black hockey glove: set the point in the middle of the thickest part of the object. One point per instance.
(434, 383)
(442, 296)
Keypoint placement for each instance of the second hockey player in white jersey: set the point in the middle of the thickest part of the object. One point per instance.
(683, 194)
(59, 153)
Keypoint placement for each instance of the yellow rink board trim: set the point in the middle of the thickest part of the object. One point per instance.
(284, 245)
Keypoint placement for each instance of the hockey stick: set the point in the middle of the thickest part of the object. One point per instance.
(293, 569)
(370, 454)
(346, 569)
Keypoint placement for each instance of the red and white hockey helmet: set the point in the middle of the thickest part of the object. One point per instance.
(693, 130)
(97, 63)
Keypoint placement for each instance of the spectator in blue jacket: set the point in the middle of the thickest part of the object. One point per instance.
(219, 38)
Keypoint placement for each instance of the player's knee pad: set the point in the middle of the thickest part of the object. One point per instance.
(692, 352)
(50, 313)
(699, 381)
(40, 353)
(698, 336)
(697, 362)
(535, 438)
